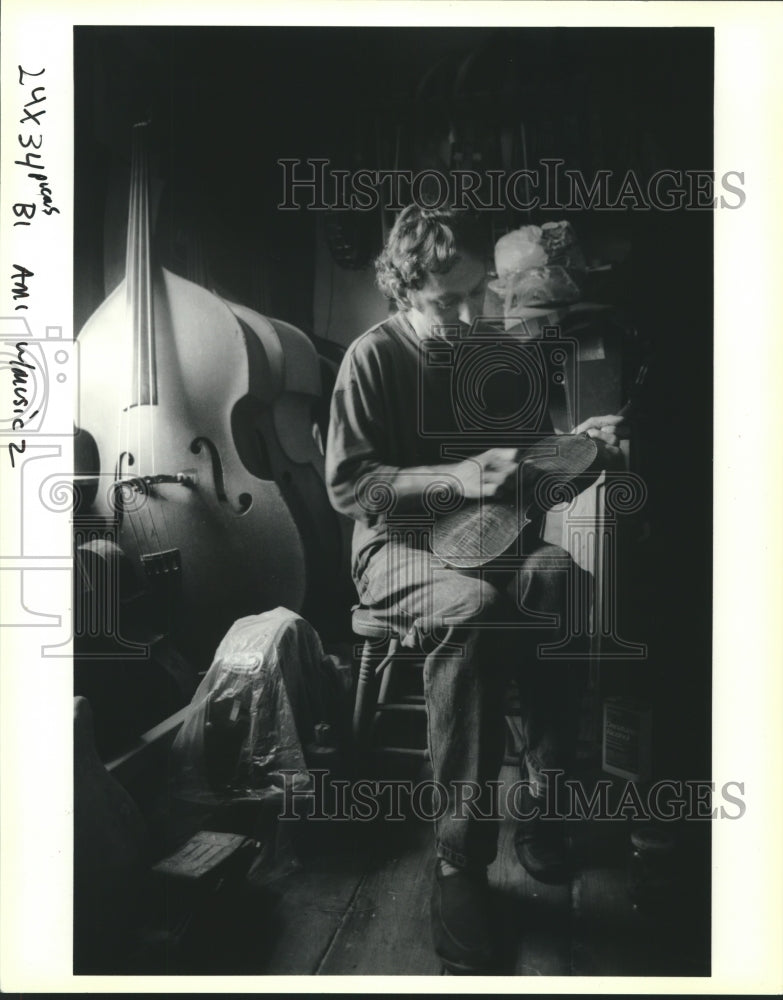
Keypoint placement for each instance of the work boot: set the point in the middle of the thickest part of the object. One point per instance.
(540, 843)
(460, 920)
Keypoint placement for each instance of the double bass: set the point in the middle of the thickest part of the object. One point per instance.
(172, 383)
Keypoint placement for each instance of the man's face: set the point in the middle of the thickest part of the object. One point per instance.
(451, 298)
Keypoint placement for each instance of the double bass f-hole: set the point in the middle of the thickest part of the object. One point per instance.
(124, 484)
(244, 501)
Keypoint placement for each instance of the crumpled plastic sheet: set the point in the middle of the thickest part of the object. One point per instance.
(539, 287)
(268, 685)
(538, 267)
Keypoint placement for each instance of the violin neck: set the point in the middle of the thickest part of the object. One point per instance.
(138, 273)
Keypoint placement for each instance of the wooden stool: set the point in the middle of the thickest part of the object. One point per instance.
(381, 656)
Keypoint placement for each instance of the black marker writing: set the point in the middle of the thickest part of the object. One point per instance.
(20, 369)
(19, 287)
(33, 161)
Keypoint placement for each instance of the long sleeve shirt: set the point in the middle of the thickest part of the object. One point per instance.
(405, 411)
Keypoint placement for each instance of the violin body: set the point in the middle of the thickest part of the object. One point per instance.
(215, 530)
(478, 532)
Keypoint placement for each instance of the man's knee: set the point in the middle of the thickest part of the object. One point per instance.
(547, 558)
(476, 601)
(550, 580)
(454, 602)
(550, 565)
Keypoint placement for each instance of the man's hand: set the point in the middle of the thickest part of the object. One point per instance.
(609, 429)
(488, 474)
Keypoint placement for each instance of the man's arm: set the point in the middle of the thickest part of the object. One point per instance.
(357, 476)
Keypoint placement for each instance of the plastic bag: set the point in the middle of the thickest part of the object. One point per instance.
(518, 250)
(538, 267)
(562, 246)
(539, 287)
(257, 707)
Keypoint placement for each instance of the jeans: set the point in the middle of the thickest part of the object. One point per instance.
(477, 629)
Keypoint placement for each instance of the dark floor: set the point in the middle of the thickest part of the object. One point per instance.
(350, 898)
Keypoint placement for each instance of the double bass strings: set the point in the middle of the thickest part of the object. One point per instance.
(141, 425)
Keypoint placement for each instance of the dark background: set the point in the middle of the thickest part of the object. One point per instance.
(225, 104)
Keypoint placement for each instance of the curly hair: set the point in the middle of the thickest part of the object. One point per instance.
(426, 241)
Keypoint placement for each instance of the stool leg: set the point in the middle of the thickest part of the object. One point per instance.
(384, 669)
(366, 696)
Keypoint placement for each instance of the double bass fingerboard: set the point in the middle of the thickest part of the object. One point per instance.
(138, 274)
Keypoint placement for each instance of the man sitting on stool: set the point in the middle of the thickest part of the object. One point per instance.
(395, 412)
